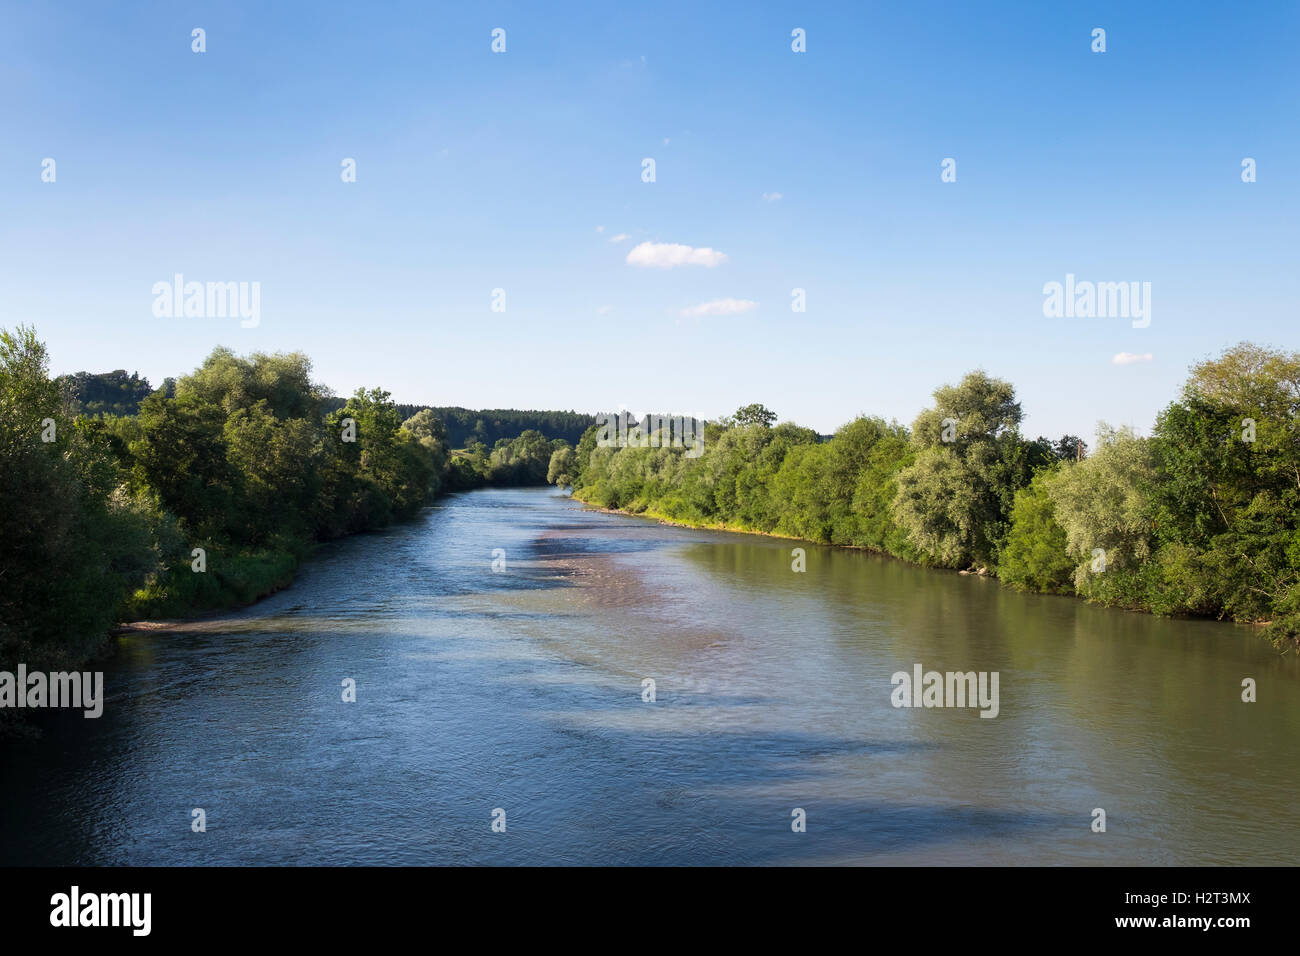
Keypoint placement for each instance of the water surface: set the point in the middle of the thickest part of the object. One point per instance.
(522, 690)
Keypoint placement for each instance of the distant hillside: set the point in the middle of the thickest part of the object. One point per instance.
(112, 393)
(465, 425)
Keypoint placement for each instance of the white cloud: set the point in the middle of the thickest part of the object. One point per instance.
(721, 307)
(771, 197)
(620, 237)
(600, 228)
(604, 310)
(665, 255)
(1130, 358)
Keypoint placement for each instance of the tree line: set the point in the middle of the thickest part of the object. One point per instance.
(466, 426)
(207, 495)
(116, 393)
(1199, 518)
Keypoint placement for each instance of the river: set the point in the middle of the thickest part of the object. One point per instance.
(521, 689)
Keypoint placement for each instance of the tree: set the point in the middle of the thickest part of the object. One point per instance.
(425, 424)
(521, 461)
(981, 408)
(1227, 499)
(847, 455)
(1250, 377)
(562, 466)
(1065, 448)
(1104, 503)
(386, 471)
(875, 490)
(1036, 554)
(72, 545)
(800, 488)
(753, 415)
(182, 455)
(954, 499)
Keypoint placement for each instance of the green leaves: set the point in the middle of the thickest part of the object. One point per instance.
(69, 553)
(954, 501)
(1035, 555)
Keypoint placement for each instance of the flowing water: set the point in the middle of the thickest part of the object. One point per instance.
(521, 689)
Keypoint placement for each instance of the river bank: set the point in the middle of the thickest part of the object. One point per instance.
(1285, 644)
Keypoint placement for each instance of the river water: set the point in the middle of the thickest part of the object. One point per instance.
(521, 690)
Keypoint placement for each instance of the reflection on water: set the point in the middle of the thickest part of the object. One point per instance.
(522, 690)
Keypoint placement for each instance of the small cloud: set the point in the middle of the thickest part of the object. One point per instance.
(721, 307)
(1131, 358)
(600, 228)
(620, 237)
(665, 255)
(771, 197)
(665, 140)
(604, 310)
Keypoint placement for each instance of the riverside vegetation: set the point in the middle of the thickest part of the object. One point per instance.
(1200, 518)
(110, 486)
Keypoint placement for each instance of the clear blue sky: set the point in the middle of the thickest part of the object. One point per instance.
(478, 170)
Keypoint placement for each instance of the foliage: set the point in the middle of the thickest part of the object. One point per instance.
(251, 461)
(1201, 518)
(1035, 556)
(245, 458)
(487, 426)
(106, 393)
(73, 542)
(954, 501)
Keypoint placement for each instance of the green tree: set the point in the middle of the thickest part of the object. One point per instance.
(72, 544)
(1036, 554)
(562, 466)
(754, 414)
(1104, 503)
(1227, 498)
(953, 501)
(181, 454)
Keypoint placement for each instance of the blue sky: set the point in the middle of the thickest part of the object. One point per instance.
(478, 171)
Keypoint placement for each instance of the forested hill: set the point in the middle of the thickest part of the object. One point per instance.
(466, 425)
(107, 393)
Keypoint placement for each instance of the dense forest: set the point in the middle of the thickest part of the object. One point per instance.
(208, 494)
(1200, 518)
